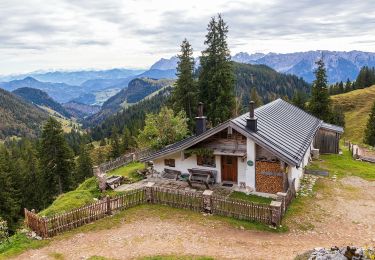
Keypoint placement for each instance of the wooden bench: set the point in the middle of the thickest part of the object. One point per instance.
(114, 181)
(201, 176)
(171, 174)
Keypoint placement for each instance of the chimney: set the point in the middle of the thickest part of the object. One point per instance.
(200, 120)
(251, 122)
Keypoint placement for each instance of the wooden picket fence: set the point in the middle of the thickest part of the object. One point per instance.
(241, 209)
(177, 198)
(217, 205)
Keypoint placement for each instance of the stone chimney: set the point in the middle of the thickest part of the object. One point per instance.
(251, 122)
(200, 120)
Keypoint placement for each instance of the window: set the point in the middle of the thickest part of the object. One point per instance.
(206, 160)
(169, 162)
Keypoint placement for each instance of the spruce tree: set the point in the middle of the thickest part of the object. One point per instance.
(115, 143)
(254, 96)
(56, 159)
(185, 93)
(216, 79)
(84, 165)
(319, 104)
(299, 99)
(370, 128)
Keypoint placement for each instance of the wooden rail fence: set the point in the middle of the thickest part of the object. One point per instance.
(123, 160)
(218, 205)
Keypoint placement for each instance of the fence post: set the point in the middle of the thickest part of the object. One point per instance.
(108, 200)
(149, 197)
(281, 196)
(276, 212)
(207, 201)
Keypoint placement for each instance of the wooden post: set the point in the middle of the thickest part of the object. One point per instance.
(149, 197)
(276, 212)
(207, 201)
(281, 196)
(108, 199)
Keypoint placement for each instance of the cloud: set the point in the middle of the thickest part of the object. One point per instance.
(136, 32)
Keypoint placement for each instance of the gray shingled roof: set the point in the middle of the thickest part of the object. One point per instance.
(283, 129)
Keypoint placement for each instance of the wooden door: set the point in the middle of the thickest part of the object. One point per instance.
(229, 168)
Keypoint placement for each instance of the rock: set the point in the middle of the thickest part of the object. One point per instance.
(242, 228)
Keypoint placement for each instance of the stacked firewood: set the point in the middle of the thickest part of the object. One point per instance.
(269, 177)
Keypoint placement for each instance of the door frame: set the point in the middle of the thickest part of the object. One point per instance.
(234, 168)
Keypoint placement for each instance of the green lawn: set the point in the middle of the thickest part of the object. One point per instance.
(129, 171)
(251, 198)
(344, 165)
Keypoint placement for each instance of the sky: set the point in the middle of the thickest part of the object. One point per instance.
(99, 34)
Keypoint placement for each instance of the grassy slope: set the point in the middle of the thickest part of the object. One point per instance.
(129, 171)
(357, 106)
(344, 165)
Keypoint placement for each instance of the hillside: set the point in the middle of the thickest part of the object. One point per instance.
(269, 83)
(132, 117)
(41, 98)
(356, 106)
(18, 117)
(137, 90)
(79, 110)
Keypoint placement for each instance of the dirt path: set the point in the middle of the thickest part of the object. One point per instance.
(343, 213)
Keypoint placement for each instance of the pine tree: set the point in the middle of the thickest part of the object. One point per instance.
(370, 128)
(84, 165)
(319, 104)
(56, 160)
(115, 144)
(254, 96)
(10, 202)
(299, 99)
(348, 85)
(127, 140)
(216, 79)
(185, 93)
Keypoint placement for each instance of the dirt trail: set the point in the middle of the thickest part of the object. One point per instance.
(342, 215)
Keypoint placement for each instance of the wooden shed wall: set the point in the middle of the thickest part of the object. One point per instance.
(327, 141)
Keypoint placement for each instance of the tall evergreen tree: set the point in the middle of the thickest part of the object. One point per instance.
(216, 79)
(319, 104)
(185, 92)
(370, 128)
(115, 143)
(84, 165)
(348, 85)
(299, 99)
(56, 160)
(254, 96)
(10, 201)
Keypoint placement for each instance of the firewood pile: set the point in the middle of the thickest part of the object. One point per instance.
(269, 177)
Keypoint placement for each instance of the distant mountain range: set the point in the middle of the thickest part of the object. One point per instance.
(75, 77)
(340, 65)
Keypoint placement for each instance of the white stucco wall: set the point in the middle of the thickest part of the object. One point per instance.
(183, 165)
(297, 173)
(250, 170)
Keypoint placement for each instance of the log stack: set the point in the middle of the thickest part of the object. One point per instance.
(269, 177)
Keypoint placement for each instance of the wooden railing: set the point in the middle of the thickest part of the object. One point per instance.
(218, 205)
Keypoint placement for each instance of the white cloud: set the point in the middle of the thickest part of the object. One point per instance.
(72, 34)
